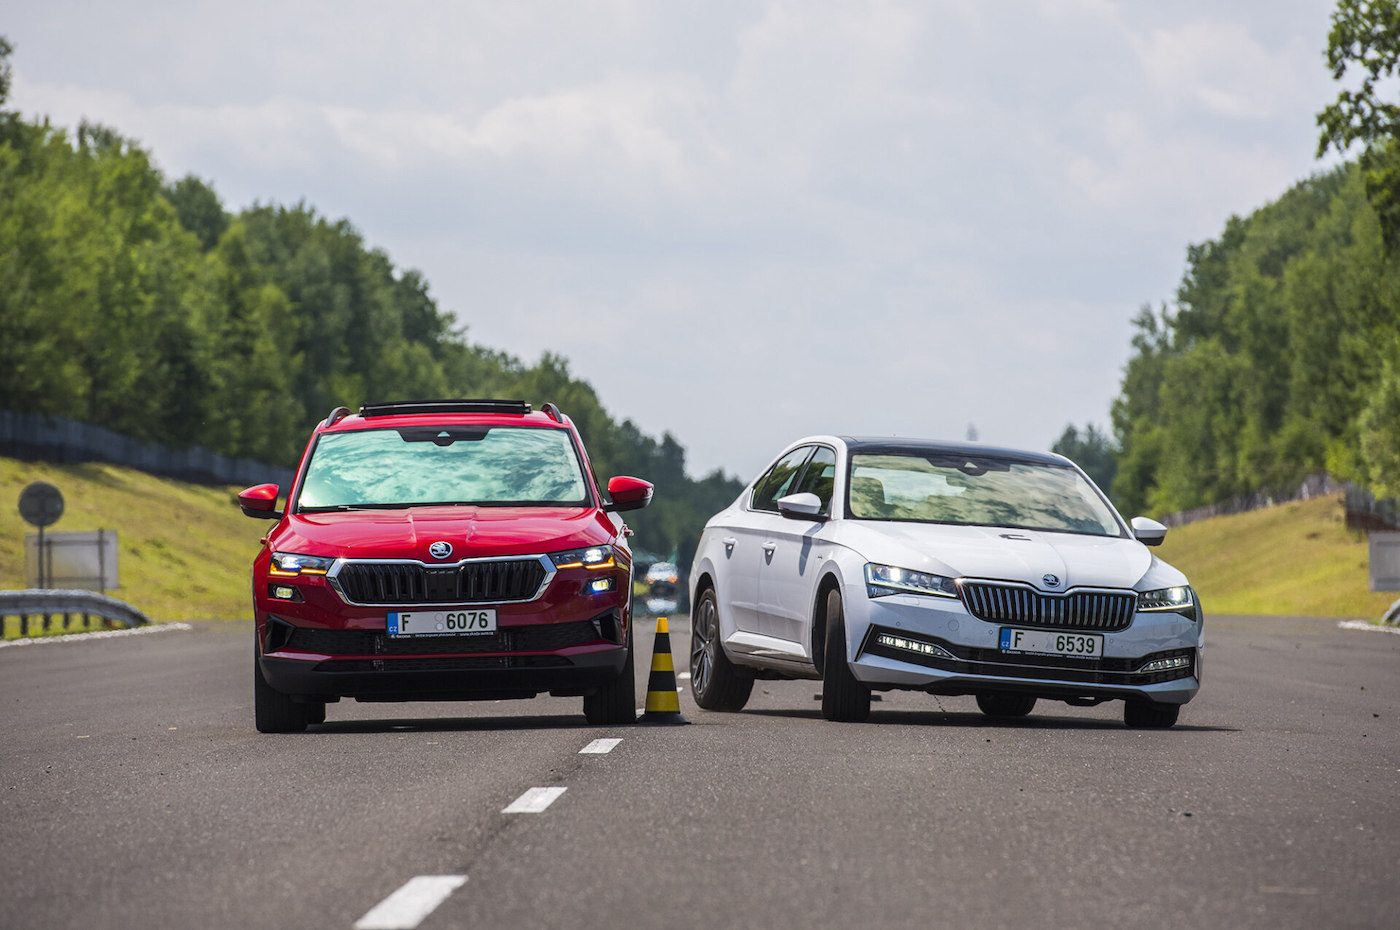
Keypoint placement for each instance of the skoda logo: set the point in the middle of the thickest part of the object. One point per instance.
(1051, 581)
(440, 550)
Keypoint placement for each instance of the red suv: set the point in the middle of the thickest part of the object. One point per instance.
(443, 550)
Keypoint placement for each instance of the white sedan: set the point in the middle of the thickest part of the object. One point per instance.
(949, 568)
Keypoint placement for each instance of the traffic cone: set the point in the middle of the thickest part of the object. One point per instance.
(663, 701)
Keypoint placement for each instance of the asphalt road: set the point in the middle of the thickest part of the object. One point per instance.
(136, 793)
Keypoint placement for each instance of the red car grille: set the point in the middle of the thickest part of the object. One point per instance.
(399, 583)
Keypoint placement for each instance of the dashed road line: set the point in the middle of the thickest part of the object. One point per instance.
(534, 801)
(99, 634)
(599, 747)
(415, 899)
(1367, 625)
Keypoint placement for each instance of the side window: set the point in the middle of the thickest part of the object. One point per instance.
(820, 477)
(780, 477)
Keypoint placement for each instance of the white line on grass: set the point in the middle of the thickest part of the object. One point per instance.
(534, 801)
(100, 634)
(1367, 625)
(599, 746)
(415, 899)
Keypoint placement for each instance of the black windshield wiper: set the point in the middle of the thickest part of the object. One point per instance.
(330, 508)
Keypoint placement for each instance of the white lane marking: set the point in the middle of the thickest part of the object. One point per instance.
(599, 746)
(534, 801)
(641, 710)
(683, 676)
(1367, 625)
(100, 634)
(415, 899)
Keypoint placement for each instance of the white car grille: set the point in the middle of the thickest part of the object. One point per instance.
(1104, 611)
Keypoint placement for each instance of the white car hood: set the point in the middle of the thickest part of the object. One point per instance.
(1006, 554)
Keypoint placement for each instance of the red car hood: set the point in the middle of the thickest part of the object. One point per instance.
(473, 532)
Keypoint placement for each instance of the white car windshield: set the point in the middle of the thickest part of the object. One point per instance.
(925, 487)
(415, 466)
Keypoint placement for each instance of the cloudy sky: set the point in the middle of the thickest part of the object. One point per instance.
(742, 222)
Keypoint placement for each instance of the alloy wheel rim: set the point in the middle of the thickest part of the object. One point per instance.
(702, 655)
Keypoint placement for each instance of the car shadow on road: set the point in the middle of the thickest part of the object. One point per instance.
(452, 724)
(956, 719)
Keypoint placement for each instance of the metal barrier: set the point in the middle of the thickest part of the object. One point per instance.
(41, 437)
(46, 605)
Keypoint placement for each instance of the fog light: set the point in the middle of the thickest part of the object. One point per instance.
(600, 585)
(1163, 665)
(913, 645)
(284, 592)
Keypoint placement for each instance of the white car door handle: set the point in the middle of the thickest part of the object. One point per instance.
(729, 542)
(769, 547)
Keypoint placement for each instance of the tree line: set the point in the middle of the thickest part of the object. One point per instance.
(1280, 354)
(144, 305)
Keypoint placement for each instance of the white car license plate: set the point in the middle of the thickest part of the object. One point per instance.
(442, 622)
(1051, 643)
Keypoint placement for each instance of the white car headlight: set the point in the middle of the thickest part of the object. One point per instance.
(883, 580)
(1178, 600)
(593, 557)
(289, 563)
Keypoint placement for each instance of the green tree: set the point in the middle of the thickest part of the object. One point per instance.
(1379, 427)
(1364, 43)
(198, 209)
(6, 74)
(1092, 450)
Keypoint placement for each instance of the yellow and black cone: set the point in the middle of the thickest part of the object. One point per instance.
(663, 701)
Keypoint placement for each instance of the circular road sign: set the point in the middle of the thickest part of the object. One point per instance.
(41, 504)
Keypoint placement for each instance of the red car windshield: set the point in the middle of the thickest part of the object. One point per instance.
(418, 466)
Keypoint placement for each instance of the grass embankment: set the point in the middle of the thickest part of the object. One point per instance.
(1295, 559)
(184, 549)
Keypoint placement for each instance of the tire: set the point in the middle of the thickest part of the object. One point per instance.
(615, 702)
(844, 698)
(1005, 706)
(273, 711)
(716, 682)
(1145, 715)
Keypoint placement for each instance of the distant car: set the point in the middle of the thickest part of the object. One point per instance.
(663, 573)
(443, 550)
(949, 568)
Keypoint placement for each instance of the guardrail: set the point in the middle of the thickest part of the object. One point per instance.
(46, 605)
(1363, 510)
(46, 438)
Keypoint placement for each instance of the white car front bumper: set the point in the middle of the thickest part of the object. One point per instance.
(967, 659)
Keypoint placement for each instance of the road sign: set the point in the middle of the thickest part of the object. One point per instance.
(41, 504)
(87, 561)
(1385, 561)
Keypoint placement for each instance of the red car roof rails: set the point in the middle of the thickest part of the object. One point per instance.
(399, 408)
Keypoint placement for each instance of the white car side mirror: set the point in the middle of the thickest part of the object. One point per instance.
(805, 506)
(1148, 532)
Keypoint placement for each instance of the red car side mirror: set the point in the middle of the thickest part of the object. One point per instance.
(260, 502)
(628, 493)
